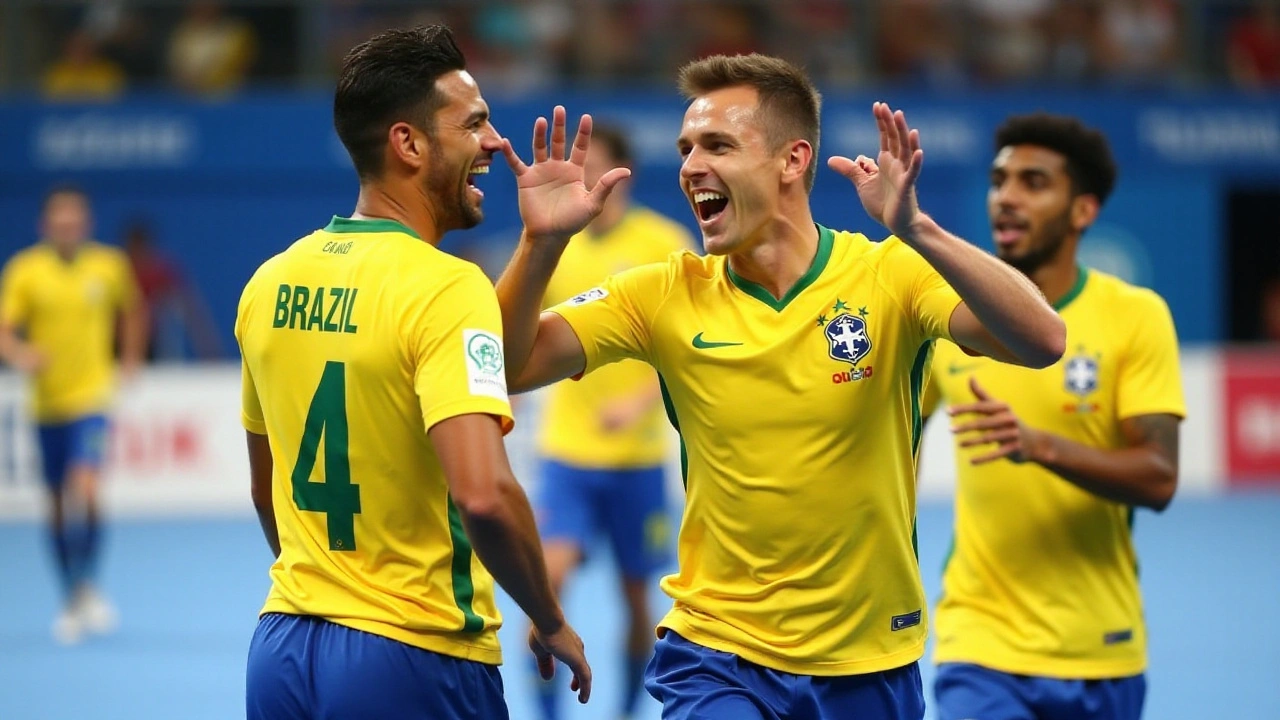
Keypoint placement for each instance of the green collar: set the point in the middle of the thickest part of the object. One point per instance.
(359, 225)
(826, 239)
(1082, 276)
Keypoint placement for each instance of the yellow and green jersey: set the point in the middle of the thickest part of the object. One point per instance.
(1043, 578)
(800, 422)
(356, 340)
(68, 310)
(571, 429)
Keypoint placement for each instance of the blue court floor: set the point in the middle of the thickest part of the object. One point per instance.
(188, 592)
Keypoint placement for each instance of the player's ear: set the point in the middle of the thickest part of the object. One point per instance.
(408, 145)
(1084, 210)
(799, 155)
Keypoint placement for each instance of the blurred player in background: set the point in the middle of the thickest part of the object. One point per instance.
(1041, 615)
(375, 406)
(60, 301)
(605, 440)
(793, 358)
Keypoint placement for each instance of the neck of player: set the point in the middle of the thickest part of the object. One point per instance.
(1056, 277)
(780, 255)
(405, 205)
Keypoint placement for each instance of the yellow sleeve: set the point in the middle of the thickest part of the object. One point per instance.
(15, 305)
(250, 406)
(251, 416)
(1150, 380)
(454, 342)
(926, 296)
(612, 321)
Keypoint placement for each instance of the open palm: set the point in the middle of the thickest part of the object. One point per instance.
(554, 199)
(887, 185)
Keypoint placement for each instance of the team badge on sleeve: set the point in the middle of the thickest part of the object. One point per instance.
(595, 293)
(485, 367)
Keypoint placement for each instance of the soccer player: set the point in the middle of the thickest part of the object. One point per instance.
(792, 359)
(1040, 615)
(604, 441)
(60, 301)
(375, 406)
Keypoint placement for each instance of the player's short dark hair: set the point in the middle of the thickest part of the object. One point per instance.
(61, 189)
(1089, 163)
(790, 104)
(615, 140)
(391, 78)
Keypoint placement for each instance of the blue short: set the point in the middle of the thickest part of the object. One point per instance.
(82, 441)
(306, 668)
(630, 505)
(965, 691)
(698, 683)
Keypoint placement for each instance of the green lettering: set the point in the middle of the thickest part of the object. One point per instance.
(336, 294)
(347, 327)
(316, 320)
(282, 308)
(301, 294)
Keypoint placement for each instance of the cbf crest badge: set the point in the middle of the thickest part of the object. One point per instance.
(1080, 378)
(848, 340)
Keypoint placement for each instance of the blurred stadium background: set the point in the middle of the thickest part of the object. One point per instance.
(202, 133)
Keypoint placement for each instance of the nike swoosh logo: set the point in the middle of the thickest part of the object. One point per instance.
(701, 344)
(955, 369)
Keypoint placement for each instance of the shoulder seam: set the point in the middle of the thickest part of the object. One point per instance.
(674, 262)
(880, 281)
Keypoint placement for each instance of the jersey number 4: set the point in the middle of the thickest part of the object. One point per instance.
(336, 497)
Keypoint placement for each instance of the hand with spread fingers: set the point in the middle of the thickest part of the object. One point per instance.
(995, 423)
(887, 186)
(554, 199)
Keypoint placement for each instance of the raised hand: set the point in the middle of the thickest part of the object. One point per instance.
(554, 200)
(887, 186)
(996, 424)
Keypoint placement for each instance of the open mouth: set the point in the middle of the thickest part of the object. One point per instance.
(710, 205)
(1009, 230)
(476, 171)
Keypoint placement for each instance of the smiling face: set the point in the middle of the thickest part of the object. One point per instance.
(1031, 206)
(462, 147)
(729, 173)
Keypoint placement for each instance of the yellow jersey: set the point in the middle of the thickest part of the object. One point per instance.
(1043, 579)
(800, 422)
(355, 341)
(68, 310)
(571, 431)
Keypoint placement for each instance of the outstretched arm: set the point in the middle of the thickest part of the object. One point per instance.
(540, 348)
(555, 204)
(1003, 314)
